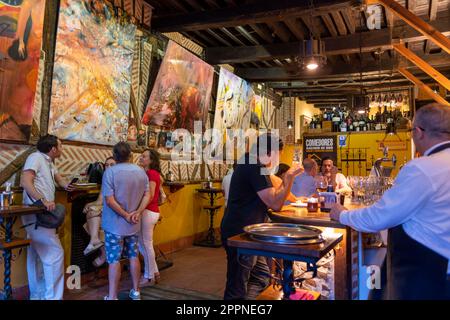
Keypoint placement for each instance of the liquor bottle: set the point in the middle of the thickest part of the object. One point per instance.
(318, 122)
(362, 124)
(343, 126)
(349, 122)
(336, 121)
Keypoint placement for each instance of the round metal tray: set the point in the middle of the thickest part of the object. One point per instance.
(284, 233)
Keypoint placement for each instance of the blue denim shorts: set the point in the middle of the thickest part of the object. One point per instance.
(118, 246)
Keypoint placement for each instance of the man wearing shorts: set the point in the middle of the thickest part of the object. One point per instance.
(125, 189)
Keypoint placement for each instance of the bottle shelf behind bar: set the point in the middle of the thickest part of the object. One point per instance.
(340, 120)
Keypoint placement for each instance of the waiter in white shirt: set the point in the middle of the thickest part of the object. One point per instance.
(416, 210)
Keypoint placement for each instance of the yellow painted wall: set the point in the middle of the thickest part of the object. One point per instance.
(369, 140)
(181, 217)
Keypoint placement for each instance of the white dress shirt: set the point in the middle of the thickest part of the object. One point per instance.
(419, 199)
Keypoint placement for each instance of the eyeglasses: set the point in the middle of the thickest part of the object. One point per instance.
(416, 127)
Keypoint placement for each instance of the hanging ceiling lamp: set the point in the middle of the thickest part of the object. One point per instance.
(313, 50)
(290, 123)
(313, 54)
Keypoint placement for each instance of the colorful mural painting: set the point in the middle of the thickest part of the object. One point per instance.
(234, 100)
(21, 25)
(92, 73)
(182, 91)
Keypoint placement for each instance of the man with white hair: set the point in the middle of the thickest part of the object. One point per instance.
(416, 210)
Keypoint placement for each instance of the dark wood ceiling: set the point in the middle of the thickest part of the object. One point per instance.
(261, 40)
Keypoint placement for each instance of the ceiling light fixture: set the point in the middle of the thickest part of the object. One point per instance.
(313, 50)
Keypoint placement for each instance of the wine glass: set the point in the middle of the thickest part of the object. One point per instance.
(321, 184)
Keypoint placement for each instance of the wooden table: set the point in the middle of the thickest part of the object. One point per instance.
(309, 253)
(8, 216)
(345, 273)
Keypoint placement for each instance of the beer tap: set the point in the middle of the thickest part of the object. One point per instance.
(379, 161)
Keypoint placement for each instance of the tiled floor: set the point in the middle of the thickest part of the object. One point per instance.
(195, 268)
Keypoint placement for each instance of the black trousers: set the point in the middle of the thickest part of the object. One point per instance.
(247, 276)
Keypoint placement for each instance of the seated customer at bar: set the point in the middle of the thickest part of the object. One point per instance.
(125, 188)
(334, 178)
(251, 195)
(416, 210)
(93, 211)
(277, 180)
(305, 185)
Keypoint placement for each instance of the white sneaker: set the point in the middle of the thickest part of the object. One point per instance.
(107, 298)
(135, 295)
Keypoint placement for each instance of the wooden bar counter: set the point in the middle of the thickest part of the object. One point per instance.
(346, 260)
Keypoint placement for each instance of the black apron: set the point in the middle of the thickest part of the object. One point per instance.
(415, 272)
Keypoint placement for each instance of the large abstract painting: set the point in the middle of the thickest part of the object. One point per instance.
(182, 91)
(92, 73)
(234, 102)
(21, 26)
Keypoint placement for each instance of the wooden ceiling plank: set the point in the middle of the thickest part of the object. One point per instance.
(349, 18)
(433, 15)
(294, 27)
(417, 23)
(423, 65)
(329, 24)
(371, 41)
(311, 28)
(328, 71)
(232, 36)
(280, 30)
(208, 40)
(219, 38)
(408, 75)
(342, 30)
(247, 35)
(269, 11)
(263, 32)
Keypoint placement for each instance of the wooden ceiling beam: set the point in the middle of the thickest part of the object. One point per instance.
(294, 27)
(417, 23)
(247, 35)
(423, 86)
(287, 73)
(341, 28)
(232, 36)
(269, 11)
(280, 30)
(262, 31)
(370, 41)
(349, 18)
(423, 65)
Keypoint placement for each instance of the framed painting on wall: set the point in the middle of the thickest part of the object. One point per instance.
(234, 100)
(21, 29)
(182, 91)
(92, 73)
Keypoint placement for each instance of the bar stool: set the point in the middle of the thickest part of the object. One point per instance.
(210, 240)
(212, 208)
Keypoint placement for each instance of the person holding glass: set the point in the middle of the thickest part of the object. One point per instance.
(333, 177)
(305, 184)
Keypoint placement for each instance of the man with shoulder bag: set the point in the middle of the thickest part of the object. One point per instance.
(45, 255)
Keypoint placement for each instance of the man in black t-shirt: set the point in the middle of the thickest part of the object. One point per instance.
(251, 195)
